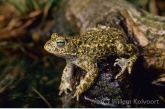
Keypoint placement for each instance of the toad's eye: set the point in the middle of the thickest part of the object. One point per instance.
(60, 42)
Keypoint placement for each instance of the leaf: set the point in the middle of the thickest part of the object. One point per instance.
(19, 6)
(30, 4)
(47, 7)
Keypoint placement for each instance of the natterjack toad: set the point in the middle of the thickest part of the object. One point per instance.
(86, 50)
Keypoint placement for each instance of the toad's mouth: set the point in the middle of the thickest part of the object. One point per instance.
(54, 50)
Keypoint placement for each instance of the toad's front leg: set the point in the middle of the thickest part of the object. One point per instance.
(131, 51)
(88, 80)
(66, 77)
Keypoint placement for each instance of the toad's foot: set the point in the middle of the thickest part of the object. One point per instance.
(64, 87)
(124, 64)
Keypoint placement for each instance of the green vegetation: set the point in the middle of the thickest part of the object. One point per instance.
(27, 6)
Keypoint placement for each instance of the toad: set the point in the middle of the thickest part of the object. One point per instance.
(89, 48)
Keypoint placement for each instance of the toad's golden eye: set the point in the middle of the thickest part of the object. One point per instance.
(60, 42)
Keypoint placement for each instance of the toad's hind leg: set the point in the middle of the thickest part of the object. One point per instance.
(92, 72)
